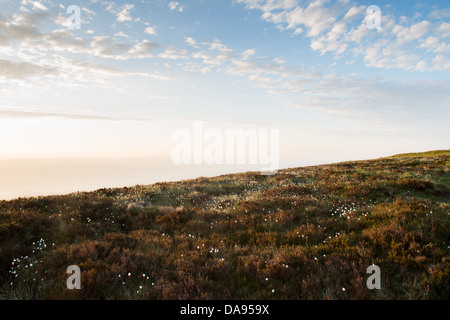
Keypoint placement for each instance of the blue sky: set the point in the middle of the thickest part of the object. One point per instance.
(138, 70)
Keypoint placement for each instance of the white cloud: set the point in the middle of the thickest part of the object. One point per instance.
(25, 114)
(218, 56)
(388, 48)
(440, 63)
(124, 13)
(389, 56)
(35, 5)
(175, 5)
(344, 96)
(354, 12)
(444, 29)
(316, 17)
(3, 41)
(190, 41)
(61, 20)
(430, 43)
(22, 27)
(298, 31)
(354, 97)
(151, 31)
(247, 54)
(416, 31)
(88, 11)
(358, 34)
(440, 13)
(39, 5)
(434, 44)
(339, 27)
(58, 71)
(121, 34)
(270, 5)
(61, 40)
(22, 70)
(174, 53)
(219, 46)
(144, 49)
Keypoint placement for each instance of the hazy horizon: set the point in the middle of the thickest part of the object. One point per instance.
(44, 177)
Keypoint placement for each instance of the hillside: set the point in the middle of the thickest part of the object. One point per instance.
(305, 233)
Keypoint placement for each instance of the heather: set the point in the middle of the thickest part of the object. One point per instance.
(304, 233)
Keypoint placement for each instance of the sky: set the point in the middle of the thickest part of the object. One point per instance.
(134, 72)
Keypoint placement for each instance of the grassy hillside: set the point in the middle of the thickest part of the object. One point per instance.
(305, 233)
(428, 154)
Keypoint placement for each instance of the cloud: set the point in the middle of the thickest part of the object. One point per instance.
(339, 27)
(416, 31)
(100, 46)
(23, 26)
(217, 56)
(87, 72)
(88, 11)
(355, 12)
(430, 43)
(444, 29)
(440, 13)
(144, 49)
(31, 64)
(440, 63)
(343, 96)
(174, 53)
(30, 113)
(121, 34)
(32, 56)
(316, 17)
(175, 5)
(124, 13)
(64, 73)
(3, 41)
(435, 45)
(337, 30)
(61, 39)
(190, 41)
(357, 34)
(354, 97)
(106, 47)
(23, 70)
(26, 114)
(151, 30)
(270, 5)
(35, 5)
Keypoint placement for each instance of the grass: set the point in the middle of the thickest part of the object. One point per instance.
(429, 154)
(305, 233)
